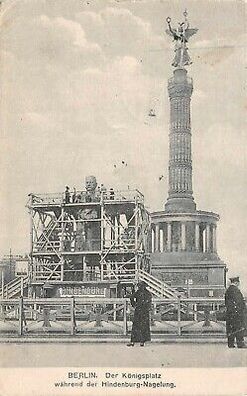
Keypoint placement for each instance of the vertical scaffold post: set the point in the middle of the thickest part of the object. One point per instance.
(31, 222)
(20, 332)
(2, 284)
(63, 225)
(22, 286)
(102, 234)
(72, 316)
(114, 312)
(179, 315)
(125, 327)
(137, 265)
(31, 236)
(195, 312)
(136, 223)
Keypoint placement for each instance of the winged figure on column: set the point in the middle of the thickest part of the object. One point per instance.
(181, 36)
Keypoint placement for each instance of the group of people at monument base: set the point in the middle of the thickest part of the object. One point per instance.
(236, 315)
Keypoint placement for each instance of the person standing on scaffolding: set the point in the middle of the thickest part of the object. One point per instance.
(67, 195)
(74, 195)
(141, 300)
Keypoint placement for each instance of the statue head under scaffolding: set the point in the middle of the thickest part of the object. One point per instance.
(90, 183)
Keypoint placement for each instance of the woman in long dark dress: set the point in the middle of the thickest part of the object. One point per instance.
(141, 300)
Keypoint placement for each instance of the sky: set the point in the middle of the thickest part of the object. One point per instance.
(78, 79)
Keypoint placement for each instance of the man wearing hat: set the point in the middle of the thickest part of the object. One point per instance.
(235, 312)
(141, 300)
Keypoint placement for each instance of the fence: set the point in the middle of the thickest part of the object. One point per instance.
(77, 316)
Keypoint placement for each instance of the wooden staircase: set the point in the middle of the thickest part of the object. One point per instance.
(15, 287)
(157, 287)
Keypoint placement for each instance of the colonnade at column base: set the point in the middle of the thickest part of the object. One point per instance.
(184, 251)
(193, 231)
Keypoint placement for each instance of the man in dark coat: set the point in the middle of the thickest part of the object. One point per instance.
(141, 300)
(67, 195)
(235, 314)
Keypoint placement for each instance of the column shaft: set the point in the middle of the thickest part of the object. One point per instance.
(207, 238)
(157, 237)
(169, 236)
(197, 237)
(214, 239)
(183, 236)
(164, 237)
(153, 239)
(180, 89)
(161, 239)
(180, 194)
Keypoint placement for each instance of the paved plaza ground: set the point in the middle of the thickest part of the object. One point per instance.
(198, 355)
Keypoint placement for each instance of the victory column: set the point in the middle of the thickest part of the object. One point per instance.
(184, 250)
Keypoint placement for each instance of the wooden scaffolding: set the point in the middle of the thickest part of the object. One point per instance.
(76, 241)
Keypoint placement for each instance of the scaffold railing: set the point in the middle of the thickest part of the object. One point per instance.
(38, 199)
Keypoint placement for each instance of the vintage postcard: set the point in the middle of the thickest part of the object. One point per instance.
(123, 200)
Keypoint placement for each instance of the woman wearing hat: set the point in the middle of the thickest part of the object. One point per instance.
(141, 300)
(235, 314)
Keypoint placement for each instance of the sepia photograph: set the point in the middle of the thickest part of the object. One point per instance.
(123, 201)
